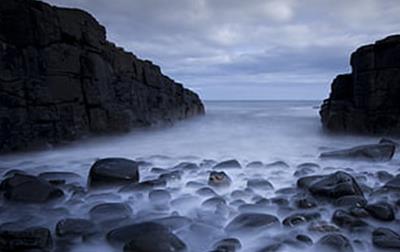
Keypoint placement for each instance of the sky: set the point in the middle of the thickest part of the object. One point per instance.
(246, 49)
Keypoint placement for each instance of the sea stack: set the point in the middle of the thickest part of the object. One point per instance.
(60, 79)
(367, 101)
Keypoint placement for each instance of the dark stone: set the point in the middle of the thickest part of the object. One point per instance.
(345, 220)
(386, 238)
(372, 152)
(227, 245)
(322, 227)
(393, 184)
(367, 100)
(144, 185)
(259, 183)
(381, 211)
(255, 165)
(249, 222)
(334, 185)
(31, 239)
(351, 201)
(146, 237)
(170, 176)
(388, 141)
(304, 239)
(233, 163)
(277, 164)
(384, 176)
(60, 79)
(75, 228)
(110, 211)
(218, 179)
(30, 189)
(113, 171)
(300, 218)
(67, 177)
(334, 243)
(305, 202)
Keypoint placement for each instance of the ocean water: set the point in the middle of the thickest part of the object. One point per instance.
(266, 131)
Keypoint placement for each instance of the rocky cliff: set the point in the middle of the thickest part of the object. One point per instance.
(61, 79)
(368, 99)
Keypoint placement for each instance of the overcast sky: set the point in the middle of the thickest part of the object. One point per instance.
(246, 49)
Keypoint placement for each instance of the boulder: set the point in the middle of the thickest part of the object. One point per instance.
(251, 222)
(146, 237)
(31, 239)
(259, 183)
(228, 164)
(110, 211)
(29, 189)
(367, 100)
(345, 220)
(386, 238)
(371, 152)
(381, 211)
(71, 228)
(334, 243)
(113, 171)
(60, 80)
(227, 245)
(332, 186)
(219, 179)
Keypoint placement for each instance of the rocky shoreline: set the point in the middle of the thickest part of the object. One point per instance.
(60, 80)
(367, 100)
(140, 205)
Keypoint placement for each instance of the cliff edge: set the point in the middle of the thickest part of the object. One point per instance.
(60, 79)
(367, 101)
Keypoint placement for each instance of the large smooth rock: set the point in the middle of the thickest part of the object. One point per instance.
(381, 211)
(29, 189)
(71, 228)
(367, 100)
(146, 237)
(251, 222)
(333, 186)
(60, 79)
(31, 239)
(110, 211)
(386, 238)
(113, 171)
(334, 243)
(372, 152)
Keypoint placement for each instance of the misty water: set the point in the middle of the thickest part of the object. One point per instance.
(266, 131)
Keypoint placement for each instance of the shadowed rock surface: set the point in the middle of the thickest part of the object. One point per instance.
(60, 79)
(367, 99)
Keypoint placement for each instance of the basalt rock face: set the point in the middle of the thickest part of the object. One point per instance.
(367, 101)
(61, 79)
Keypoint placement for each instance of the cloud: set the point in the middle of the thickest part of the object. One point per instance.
(251, 46)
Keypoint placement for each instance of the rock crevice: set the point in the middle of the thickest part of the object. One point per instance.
(367, 100)
(61, 79)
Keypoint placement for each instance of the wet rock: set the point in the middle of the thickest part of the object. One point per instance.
(30, 189)
(305, 202)
(146, 237)
(334, 186)
(233, 163)
(31, 239)
(388, 141)
(173, 222)
(280, 201)
(359, 212)
(303, 171)
(219, 179)
(67, 177)
(70, 228)
(300, 218)
(384, 176)
(206, 191)
(251, 222)
(110, 211)
(386, 238)
(393, 184)
(277, 164)
(113, 171)
(227, 245)
(255, 165)
(334, 243)
(274, 247)
(322, 227)
(187, 166)
(371, 152)
(214, 201)
(287, 190)
(351, 201)
(170, 176)
(381, 211)
(312, 166)
(304, 239)
(259, 183)
(144, 185)
(160, 196)
(345, 220)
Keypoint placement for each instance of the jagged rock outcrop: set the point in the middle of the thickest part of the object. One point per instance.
(367, 100)
(61, 79)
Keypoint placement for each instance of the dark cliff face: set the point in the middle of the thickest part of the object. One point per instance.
(61, 79)
(367, 101)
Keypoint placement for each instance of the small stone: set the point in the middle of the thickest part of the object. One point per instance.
(233, 163)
